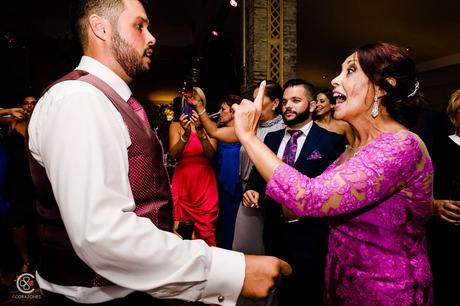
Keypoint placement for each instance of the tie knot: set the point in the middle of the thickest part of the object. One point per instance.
(295, 134)
(138, 109)
(134, 104)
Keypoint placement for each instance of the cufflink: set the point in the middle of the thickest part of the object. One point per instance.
(220, 298)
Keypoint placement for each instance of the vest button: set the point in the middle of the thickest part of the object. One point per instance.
(220, 298)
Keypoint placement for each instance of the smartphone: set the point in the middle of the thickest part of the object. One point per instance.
(187, 109)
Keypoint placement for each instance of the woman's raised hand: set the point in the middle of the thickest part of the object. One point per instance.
(247, 114)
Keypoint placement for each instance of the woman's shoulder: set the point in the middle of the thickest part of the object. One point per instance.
(404, 143)
(401, 137)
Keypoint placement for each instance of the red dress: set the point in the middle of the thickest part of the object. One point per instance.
(194, 191)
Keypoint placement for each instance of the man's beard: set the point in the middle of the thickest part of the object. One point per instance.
(128, 58)
(301, 117)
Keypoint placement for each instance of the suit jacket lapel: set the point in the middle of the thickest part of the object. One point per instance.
(278, 137)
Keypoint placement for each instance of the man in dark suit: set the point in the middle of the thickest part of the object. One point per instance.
(300, 241)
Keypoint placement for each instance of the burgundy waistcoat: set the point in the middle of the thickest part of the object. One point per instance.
(59, 264)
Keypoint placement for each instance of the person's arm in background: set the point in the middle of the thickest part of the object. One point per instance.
(226, 133)
(17, 112)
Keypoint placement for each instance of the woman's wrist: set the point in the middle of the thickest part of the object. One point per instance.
(202, 112)
(199, 107)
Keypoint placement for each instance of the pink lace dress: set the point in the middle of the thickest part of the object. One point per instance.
(378, 202)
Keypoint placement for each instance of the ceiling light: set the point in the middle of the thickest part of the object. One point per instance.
(233, 3)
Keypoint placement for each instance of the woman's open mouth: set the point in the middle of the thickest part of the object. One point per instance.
(339, 97)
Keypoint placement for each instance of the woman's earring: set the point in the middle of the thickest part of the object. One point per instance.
(273, 108)
(375, 108)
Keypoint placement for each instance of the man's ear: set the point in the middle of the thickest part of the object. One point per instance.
(99, 26)
(312, 106)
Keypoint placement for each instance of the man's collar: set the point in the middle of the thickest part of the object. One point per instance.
(101, 71)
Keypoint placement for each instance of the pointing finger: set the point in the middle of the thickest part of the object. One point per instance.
(260, 96)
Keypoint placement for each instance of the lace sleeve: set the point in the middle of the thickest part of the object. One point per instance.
(375, 172)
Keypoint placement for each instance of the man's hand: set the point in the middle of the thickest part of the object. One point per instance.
(262, 274)
(251, 199)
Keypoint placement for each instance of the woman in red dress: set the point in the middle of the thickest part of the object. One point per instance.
(194, 186)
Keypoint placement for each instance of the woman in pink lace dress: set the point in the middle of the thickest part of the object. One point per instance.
(377, 194)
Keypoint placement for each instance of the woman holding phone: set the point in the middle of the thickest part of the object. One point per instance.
(194, 187)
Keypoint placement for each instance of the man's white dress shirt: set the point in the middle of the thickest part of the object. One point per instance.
(82, 141)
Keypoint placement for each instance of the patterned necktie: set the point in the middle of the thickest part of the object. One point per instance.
(138, 109)
(291, 147)
(289, 158)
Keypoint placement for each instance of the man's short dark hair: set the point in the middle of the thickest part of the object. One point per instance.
(82, 9)
(309, 88)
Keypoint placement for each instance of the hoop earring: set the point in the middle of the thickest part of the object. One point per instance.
(375, 108)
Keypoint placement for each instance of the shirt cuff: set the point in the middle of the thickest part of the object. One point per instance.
(226, 277)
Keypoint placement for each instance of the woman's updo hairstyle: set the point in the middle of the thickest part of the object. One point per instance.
(381, 61)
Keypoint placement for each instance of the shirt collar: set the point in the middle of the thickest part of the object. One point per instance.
(101, 71)
(305, 129)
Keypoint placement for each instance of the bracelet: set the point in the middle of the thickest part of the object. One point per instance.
(182, 138)
(202, 112)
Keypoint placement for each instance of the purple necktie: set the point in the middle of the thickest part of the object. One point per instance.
(289, 158)
(138, 109)
(291, 147)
